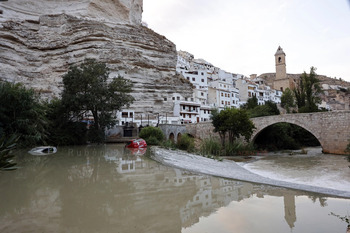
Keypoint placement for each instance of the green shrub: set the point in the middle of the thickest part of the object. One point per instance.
(186, 142)
(210, 146)
(169, 144)
(238, 148)
(152, 135)
(152, 141)
(22, 113)
(6, 146)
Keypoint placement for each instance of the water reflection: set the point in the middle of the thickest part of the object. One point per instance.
(110, 189)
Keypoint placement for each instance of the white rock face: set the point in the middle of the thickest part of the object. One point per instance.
(38, 50)
(109, 11)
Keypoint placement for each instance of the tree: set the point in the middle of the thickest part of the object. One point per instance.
(308, 91)
(87, 89)
(62, 130)
(234, 121)
(22, 114)
(251, 103)
(152, 135)
(218, 121)
(287, 100)
(268, 109)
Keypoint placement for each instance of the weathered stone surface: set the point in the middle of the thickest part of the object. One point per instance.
(109, 11)
(38, 53)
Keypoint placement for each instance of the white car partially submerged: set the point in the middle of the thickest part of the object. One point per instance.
(43, 150)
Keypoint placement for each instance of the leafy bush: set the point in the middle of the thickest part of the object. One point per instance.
(22, 113)
(6, 145)
(186, 142)
(62, 130)
(210, 146)
(169, 144)
(152, 135)
(238, 148)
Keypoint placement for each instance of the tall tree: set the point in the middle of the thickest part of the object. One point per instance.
(218, 121)
(87, 89)
(233, 121)
(287, 100)
(307, 92)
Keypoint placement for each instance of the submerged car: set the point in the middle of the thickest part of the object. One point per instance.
(43, 150)
(136, 143)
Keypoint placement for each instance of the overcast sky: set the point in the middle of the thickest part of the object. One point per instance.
(242, 36)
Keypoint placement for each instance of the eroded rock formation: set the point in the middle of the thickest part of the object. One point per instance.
(38, 52)
(108, 11)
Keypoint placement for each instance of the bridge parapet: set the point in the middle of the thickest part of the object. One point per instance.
(332, 129)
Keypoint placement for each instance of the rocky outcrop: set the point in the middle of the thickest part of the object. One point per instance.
(108, 11)
(39, 52)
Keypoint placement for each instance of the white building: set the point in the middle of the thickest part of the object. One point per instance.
(222, 94)
(189, 112)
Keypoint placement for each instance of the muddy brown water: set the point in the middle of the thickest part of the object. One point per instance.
(110, 189)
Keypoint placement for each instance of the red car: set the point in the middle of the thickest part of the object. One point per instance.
(136, 143)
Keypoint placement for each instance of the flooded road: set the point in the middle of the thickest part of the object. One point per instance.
(110, 189)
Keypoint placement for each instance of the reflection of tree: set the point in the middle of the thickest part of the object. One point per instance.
(322, 200)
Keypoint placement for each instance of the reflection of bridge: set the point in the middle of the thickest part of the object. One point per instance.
(332, 129)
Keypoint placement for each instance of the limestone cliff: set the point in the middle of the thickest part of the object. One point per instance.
(37, 52)
(108, 11)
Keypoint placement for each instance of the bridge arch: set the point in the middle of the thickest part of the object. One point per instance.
(262, 123)
(258, 137)
(179, 135)
(331, 129)
(172, 137)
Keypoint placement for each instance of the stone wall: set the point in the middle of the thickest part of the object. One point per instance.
(175, 130)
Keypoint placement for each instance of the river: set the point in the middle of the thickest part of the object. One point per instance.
(107, 188)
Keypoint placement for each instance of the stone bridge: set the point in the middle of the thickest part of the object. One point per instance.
(332, 129)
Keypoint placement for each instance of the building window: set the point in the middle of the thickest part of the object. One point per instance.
(222, 102)
(193, 79)
(131, 115)
(183, 107)
(165, 99)
(188, 78)
(222, 94)
(202, 73)
(202, 80)
(173, 98)
(124, 114)
(178, 98)
(202, 94)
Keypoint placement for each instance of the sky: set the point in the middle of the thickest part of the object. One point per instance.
(242, 36)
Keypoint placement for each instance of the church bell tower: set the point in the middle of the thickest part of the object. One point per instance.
(281, 81)
(280, 59)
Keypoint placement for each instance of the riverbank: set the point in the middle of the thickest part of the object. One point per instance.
(230, 169)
